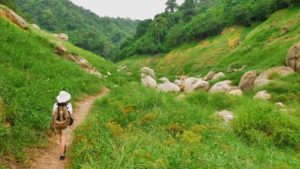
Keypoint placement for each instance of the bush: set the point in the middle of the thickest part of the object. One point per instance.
(262, 124)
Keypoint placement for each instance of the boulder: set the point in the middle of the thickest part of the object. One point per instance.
(223, 86)
(179, 83)
(95, 72)
(226, 115)
(236, 92)
(293, 57)
(84, 63)
(63, 36)
(35, 26)
(280, 104)
(247, 80)
(168, 87)
(164, 80)
(60, 50)
(264, 95)
(191, 84)
(218, 76)
(266, 77)
(14, 18)
(148, 81)
(148, 72)
(209, 75)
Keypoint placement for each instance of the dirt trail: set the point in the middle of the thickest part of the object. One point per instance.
(48, 158)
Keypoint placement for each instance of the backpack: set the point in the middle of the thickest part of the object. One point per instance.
(61, 117)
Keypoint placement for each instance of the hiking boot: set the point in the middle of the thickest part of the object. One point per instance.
(62, 158)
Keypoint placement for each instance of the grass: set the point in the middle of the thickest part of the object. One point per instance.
(148, 129)
(31, 77)
(155, 130)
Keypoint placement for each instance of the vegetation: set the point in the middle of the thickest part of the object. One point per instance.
(102, 36)
(31, 76)
(156, 130)
(197, 20)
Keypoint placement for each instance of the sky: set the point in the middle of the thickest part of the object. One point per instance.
(134, 9)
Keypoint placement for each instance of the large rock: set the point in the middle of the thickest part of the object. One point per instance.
(168, 87)
(209, 75)
(266, 77)
(14, 18)
(63, 36)
(60, 50)
(191, 84)
(293, 57)
(148, 72)
(148, 81)
(236, 91)
(264, 95)
(218, 76)
(164, 80)
(247, 80)
(224, 86)
(35, 26)
(226, 115)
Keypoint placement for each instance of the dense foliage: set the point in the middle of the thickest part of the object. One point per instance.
(196, 20)
(100, 35)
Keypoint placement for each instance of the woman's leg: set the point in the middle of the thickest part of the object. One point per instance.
(62, 143)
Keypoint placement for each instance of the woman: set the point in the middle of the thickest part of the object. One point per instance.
(62, 103)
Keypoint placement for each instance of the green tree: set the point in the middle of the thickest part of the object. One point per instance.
(188, 9)
(171, 6)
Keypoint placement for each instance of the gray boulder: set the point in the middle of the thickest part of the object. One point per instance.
(265, 77)
(247, 80)
(293, 57)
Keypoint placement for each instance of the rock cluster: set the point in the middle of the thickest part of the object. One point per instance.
(13, 17)
(62, 51)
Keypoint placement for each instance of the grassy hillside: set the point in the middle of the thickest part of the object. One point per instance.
(136, 127)
(148, 129)
(31, 77)
(258, 48)
(102, 36)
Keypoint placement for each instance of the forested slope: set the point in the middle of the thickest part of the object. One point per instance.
(196, 20)
(101, 35)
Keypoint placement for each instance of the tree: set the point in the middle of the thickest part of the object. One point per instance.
(142, 27)
(171, 6)
(188, 10)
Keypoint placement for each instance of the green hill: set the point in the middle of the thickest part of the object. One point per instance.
(149, 129)
(139, 127)
(102, 36)
(31, 76)
(197, 20)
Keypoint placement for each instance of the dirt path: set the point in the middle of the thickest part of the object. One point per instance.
(48, 158)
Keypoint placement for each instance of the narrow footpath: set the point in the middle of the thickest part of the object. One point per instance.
(48, 158)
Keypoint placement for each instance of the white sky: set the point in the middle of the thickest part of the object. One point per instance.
(134, 9)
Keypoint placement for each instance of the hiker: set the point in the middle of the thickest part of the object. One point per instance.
(62, 119)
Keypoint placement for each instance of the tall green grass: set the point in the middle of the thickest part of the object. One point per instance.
(31, 77)
(148, 129)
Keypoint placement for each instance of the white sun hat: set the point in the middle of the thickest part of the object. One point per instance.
(63, 97)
